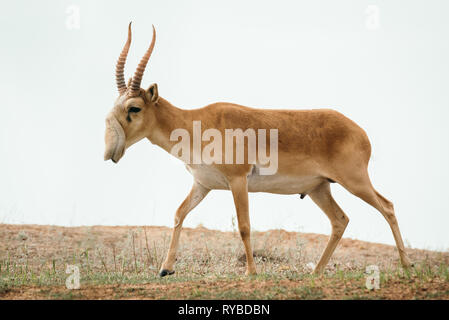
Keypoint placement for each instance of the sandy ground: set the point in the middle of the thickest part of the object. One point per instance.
(210, 264)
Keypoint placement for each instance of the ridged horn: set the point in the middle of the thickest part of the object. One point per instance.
(120, 67)
(137, 78)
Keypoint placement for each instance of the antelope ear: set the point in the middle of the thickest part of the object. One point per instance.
(152, 93)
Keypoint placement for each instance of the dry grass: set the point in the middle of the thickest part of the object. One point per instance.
(123, 262)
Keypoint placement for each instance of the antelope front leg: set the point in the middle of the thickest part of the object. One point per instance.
(195, 196)
(239, 188)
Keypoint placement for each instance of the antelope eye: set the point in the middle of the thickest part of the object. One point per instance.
(134, 109)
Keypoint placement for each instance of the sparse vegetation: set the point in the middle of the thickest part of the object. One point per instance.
(123, 263)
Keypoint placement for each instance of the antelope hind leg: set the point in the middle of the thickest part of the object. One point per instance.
(323, 198)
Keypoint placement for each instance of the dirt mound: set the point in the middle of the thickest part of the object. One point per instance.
(123, 262)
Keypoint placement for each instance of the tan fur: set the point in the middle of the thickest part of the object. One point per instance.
(314, 147)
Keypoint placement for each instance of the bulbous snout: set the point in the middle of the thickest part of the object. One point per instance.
(114, 139)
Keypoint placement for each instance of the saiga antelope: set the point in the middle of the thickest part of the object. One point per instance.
(315, 148)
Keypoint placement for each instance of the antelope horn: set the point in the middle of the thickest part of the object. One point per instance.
(137, 78)
(120, 67)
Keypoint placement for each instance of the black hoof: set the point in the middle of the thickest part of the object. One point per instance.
(165, 272)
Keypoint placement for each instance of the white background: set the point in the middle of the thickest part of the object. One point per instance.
(57, 84)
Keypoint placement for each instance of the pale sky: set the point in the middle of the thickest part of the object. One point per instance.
(390, 75)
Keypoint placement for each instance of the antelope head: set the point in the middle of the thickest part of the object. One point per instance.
(132, 116)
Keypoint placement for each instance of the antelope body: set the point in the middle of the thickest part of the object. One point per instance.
(315, 148)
